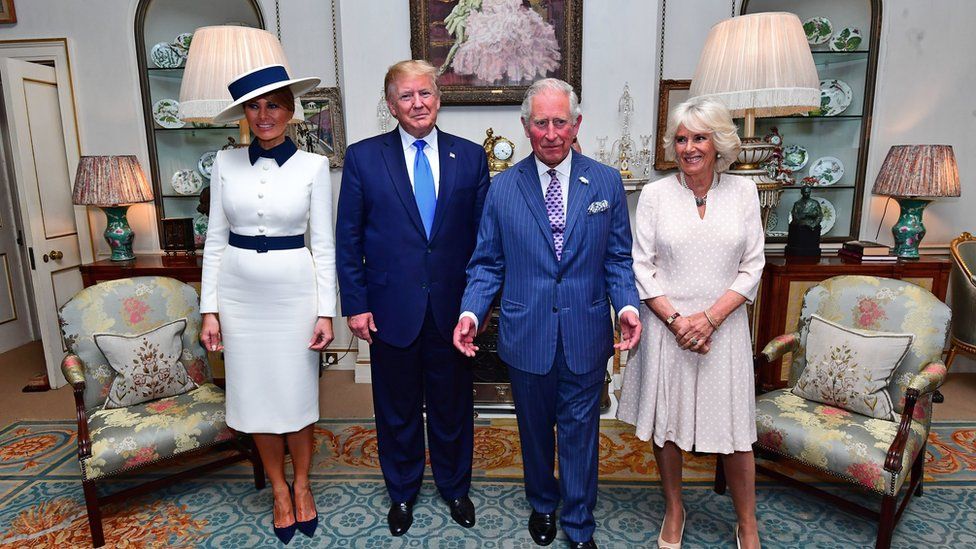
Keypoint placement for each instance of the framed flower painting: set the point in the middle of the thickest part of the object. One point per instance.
(490, 51)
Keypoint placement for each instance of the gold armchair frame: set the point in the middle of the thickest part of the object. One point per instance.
(962, 287)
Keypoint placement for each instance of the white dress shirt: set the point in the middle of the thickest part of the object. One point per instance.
(430, 150)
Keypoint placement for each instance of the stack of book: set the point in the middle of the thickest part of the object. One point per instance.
(862, 250)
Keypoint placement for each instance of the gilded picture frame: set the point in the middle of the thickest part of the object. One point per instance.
(671, 93)
(323, 131)
(7, 12)
(476, 66)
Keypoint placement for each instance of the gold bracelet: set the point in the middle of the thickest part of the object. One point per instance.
(708, 317)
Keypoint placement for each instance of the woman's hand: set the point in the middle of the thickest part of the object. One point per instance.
(693, 332)
(322, 334)
(210, 333)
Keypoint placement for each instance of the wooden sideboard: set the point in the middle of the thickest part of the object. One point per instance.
(785, 280)
(184, 268)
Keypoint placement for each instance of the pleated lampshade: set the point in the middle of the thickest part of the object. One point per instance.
(918, 171)
(760, 63)
(217, 56)
(110, 181)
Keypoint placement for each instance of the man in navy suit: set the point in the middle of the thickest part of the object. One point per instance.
(555, 239)
(408, 213)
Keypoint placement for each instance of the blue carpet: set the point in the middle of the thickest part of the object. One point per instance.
(41, 505)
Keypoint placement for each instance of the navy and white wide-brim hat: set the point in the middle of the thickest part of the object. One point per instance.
(259, 82)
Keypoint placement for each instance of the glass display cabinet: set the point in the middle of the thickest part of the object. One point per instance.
(180, 155)
(829, 145)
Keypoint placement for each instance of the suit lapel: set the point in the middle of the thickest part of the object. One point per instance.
(579, 195)
(528, 182)
(448, 167)
(397, 166)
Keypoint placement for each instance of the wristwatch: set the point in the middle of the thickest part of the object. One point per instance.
(674, 316)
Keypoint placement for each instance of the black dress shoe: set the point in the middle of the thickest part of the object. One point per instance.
(400, 518)
(542, 527)
(583, 544)
(462, 511)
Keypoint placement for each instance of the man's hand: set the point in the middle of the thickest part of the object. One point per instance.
(210, 333)
(464, 334)
(361, 325)
(630, 331)
(322, 334)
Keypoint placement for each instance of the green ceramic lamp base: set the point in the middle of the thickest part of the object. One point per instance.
(118, 234)
(909, 231)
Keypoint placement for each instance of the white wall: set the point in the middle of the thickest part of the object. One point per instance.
(926, 75)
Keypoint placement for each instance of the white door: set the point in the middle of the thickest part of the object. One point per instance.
(16, 327)
(43, 156)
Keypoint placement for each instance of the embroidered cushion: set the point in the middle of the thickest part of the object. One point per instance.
(850, 368)
(148, 365)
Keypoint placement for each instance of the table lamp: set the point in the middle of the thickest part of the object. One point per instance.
(759, 65)
(914, 175)
(112, 183)
(217, 56)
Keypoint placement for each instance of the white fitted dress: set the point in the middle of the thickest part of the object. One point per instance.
(268, 303)
(701, 402)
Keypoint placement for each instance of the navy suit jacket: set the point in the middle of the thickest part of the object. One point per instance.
(541, 296)
(385, 262)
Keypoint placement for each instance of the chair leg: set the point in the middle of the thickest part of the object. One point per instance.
(918, 472)
(886, 524)
(259, 479)
(720, 482)
(953, 350)
(94, 513)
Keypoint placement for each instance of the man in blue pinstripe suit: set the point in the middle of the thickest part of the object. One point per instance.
(555, 239)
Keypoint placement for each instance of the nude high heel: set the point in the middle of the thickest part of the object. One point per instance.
(676, 545)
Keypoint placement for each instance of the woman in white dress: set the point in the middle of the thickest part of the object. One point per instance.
(698, 257)
(267, 301)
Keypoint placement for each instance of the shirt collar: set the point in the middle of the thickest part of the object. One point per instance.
(562, 169)
(279, 153)
(408, 140)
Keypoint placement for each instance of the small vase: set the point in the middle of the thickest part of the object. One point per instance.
(909, 231)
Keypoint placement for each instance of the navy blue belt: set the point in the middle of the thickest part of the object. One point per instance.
(263, 243)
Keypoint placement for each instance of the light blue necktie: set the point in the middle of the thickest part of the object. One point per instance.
(423, 186)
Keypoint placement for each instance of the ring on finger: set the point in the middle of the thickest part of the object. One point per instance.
(694, 341)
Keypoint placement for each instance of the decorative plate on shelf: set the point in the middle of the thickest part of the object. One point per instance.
(187, 182)
(165, 56)
(818, 29)
(847, 39)
(200, 223)
(205, 164)
(771, 222)
(165, 113)
(829, 215)
(835, 97)
(795, 157)
(828, 170)
(182, 43)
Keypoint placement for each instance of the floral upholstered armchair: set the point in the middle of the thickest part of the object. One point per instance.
(119, 439)
(872, 453)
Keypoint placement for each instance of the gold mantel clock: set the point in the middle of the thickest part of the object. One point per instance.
(499, 150)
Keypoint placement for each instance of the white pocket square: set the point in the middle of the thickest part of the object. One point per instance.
(597, 207)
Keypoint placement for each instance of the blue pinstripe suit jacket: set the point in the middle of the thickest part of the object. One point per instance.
(541, 296)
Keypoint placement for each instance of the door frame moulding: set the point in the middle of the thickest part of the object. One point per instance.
(56, 50)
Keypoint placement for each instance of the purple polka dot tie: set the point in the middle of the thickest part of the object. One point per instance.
(557, 217)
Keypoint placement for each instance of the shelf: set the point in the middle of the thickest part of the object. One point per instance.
(795, 119)
(820, 187)
(195, 196)
(824, 58)
(230, 130)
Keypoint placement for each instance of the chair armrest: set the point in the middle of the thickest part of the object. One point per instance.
(929, 379)
(780, 345)
(74, 371)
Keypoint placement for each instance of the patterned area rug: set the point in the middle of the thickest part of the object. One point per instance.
(41, 502)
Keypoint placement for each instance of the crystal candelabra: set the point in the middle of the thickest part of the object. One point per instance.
(383, 113)
(622, 152)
